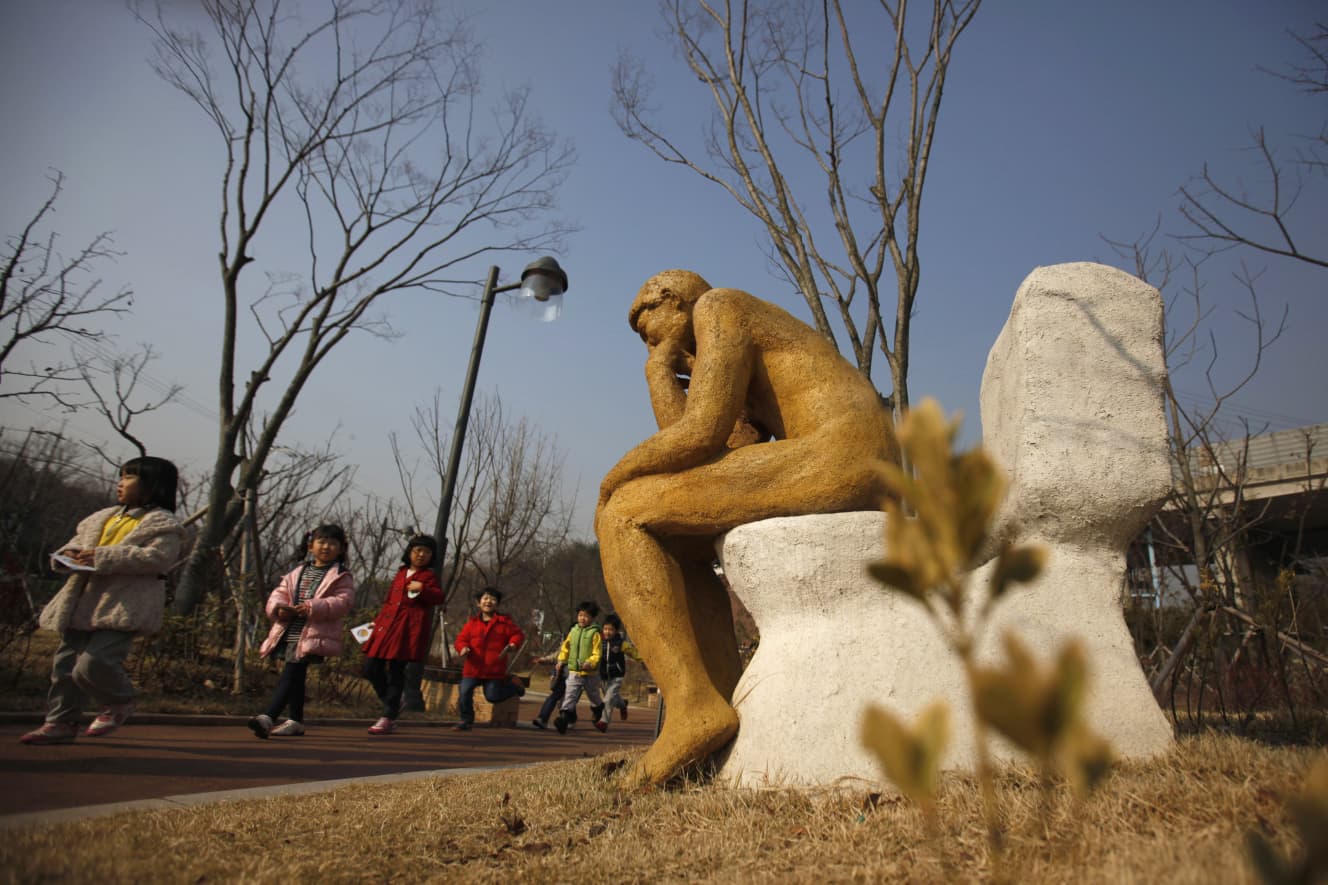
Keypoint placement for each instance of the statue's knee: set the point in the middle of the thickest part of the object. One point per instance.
(617, 514)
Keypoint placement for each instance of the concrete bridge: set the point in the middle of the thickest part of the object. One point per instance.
(1263, 498)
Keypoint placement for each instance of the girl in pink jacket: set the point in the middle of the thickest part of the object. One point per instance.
(308, 613)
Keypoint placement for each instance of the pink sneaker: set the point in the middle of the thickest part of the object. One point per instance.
(110, 719)
(51, 733)
(383, 726)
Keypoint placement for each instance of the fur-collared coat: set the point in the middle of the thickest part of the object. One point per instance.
(125, 590)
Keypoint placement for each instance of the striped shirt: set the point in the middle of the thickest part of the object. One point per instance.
(310, 577)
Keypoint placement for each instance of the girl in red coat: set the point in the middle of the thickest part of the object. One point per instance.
(401, 630)
(486, 646)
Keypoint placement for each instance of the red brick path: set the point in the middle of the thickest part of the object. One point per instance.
(154, 756)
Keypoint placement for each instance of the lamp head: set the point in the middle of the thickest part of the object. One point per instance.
(542, 279)
(544, 282)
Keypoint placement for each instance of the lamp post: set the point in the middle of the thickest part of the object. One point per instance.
(544, 282)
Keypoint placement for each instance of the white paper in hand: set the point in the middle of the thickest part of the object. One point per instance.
(362, 632)
(72, 565)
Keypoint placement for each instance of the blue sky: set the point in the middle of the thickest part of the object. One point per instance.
(1062, 122)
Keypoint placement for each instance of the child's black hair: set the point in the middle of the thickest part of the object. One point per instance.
(331, 531)
(614, 621)
(590, 607)
(420, 541)
(492, 591)
(158, 479)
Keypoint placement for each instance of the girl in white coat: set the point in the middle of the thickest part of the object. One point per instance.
(116, 590)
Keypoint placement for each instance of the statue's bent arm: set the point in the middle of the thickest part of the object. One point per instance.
(714, 399)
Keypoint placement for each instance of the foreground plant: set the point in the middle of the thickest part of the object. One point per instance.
(930, 557)
(1309, 813)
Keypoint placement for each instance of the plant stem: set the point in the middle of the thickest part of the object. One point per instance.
(986, 782)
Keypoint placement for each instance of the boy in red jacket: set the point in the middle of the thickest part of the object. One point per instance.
(486, 646)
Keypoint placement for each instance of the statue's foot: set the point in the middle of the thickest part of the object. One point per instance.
(689, 737)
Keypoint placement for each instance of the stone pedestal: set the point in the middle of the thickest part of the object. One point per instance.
(832, 641)
(440, 689)
(1072, 408)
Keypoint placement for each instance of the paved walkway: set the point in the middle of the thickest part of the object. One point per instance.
(165, 761)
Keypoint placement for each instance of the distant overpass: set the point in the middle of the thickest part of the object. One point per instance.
(1274, 485)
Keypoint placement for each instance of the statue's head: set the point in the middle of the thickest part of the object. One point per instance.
(682, 286)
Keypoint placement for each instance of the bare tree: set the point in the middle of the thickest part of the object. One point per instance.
(299, 489)
(850, 94)
(1225, 216)
(44, 293)
(46, 487)
(509, 497)
(522, 499)
(1238, 625)
(364, 123)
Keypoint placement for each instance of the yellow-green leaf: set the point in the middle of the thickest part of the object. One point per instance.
(1009, 705)
(1068, 686)
(980, 486)
(898, 577)
(1309, 810)
(1088, 760)
(1016, 565)
(910, 757)
(1270, 866)
(1035, 707)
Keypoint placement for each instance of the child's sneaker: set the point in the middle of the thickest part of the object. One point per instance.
(289, 728)
(51, 733)
(597, 711)
(110, 718)
(561, 724)
(539, 723)
(261, 725)
(461, 726)
(601, 725)
(622, 712)
(383, 726)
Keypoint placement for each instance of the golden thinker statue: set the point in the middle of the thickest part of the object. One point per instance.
(759, 416)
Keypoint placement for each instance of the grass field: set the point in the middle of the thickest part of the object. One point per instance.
(1180, 818)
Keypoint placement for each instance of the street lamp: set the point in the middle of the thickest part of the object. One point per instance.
(543, 282)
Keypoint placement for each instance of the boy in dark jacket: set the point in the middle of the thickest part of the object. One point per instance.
(614, 652)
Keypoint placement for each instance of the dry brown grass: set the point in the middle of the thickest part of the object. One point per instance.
(1180, 819)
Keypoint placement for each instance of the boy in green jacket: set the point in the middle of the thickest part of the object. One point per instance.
(580, 654)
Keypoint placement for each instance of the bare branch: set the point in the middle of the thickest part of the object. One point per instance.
(44, 293)
(125, 372)
(1225, 216)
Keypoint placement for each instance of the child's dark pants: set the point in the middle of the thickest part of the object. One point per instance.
(388, 679)
(290, 691)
